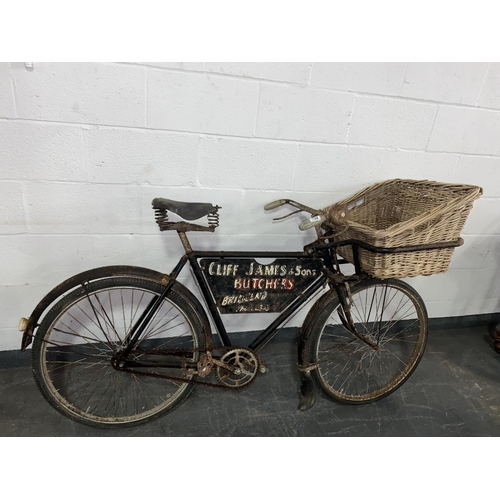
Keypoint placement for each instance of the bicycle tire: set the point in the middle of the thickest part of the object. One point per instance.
(351, 371)
(74, 343)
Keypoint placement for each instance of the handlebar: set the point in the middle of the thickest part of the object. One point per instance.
(318, 216)
(296, 204)
(275, 204)
(314, 221)
(336, 215)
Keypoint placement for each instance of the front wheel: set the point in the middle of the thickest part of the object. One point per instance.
(393, 317)
(73, 352)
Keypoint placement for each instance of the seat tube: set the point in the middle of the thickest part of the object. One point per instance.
(204, 289)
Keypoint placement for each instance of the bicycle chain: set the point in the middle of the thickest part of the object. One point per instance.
(191, 381)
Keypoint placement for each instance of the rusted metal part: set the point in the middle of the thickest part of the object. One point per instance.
(207, 362)
(185, 226)
(185, 243)
(243, 367)
(306, 387)
(245, 285)
(206, 365)
(308, 367)
(340, 284)
(296, 204)
(371, 248)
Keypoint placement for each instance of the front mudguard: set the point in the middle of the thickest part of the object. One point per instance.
(29, 325)
(305, 361)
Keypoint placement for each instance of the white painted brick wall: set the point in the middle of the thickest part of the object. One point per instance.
(39, 151)
(444, 82)
(189, 66)
(281, 72)
(311, 115)
(246, 164)
(375, 78)
(392, 123)
(12, 213)
(135, 156)
(201, 103)
(85, 147)
(7, 108)
(490, 96)
(338, 169)
(466, 130)
(110, 94)
(482, 170)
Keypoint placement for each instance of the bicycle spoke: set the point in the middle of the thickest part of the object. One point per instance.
(76, 351)
(351, 369)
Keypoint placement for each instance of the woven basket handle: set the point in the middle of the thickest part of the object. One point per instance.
(441, 211)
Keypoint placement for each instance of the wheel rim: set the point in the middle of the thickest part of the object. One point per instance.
(354, 371)
(77, 349)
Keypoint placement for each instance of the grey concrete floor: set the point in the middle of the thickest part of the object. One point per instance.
(455, 391)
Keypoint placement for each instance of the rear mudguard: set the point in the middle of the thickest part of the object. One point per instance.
(107, 272)
(307, 389)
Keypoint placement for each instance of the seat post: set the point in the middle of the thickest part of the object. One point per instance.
(185, 242)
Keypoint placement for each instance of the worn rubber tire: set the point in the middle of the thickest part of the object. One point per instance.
(338, 353)
(178, 296)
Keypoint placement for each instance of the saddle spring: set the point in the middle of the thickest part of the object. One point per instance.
(161, 217)
(213, 218)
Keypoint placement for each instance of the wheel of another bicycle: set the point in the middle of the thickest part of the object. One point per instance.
(74, 344)
(350, 370)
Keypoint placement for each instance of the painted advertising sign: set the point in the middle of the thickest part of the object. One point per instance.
(246, 286)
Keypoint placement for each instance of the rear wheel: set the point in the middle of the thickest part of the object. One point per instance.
(393, 317)
(78, 337)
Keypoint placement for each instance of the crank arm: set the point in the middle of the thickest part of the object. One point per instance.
(227, 367)
(207, 362)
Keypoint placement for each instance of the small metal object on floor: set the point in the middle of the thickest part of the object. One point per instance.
(455, 391)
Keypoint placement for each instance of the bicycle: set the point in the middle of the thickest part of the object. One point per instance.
(123, 345)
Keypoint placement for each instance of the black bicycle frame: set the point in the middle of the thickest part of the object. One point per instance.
(322, 252)
(272, 329)
(193, 257)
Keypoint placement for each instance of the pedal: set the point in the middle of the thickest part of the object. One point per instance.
(205, 365)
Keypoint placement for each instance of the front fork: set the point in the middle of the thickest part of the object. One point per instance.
(345, 299)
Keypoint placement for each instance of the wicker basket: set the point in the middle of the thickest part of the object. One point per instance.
(399, 213)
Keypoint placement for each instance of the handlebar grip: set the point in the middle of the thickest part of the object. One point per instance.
(275, 204)
(312, 222)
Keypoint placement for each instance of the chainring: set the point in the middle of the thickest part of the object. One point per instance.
(245, 363)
